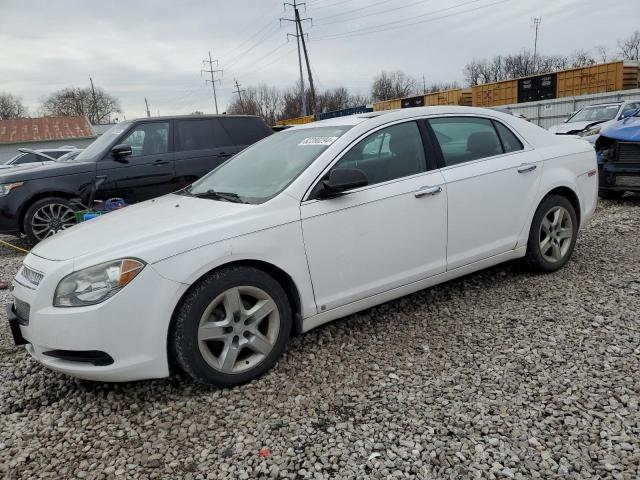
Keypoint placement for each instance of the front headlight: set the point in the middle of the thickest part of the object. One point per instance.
(5, 188)
(95, 284)
(590, 131)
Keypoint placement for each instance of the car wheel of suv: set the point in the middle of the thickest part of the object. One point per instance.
(610, 194)
(47, 217)
(553, 234)
(231, 327)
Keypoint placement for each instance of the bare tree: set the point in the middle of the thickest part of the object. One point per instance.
(75, 101)
(389, 85)
(441, 86)
(581, 58)
(603, 53)
(11, 107)
(630, 47)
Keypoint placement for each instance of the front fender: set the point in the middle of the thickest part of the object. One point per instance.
(281, 247)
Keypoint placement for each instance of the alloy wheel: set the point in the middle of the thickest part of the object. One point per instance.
(238, 329)
(556, 234)
(51, 218)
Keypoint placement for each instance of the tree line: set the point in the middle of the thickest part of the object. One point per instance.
(272, 103)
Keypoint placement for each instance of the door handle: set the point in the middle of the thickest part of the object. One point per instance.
(424, 191)
(224, 154)
(524, 168)
(160, 162)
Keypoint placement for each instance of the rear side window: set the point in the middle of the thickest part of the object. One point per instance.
(509, 141)
(28, 158)
(463, 139)
(200, 135)
(246, 130)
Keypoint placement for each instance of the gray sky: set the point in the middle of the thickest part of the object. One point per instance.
(142, 48)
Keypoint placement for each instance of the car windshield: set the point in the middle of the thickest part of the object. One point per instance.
(102, 142)
(600, 113)
(266, 168)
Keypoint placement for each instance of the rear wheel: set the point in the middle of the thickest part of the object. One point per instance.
(47, 217)
(610, 194)
(553, 234)
(231, 327)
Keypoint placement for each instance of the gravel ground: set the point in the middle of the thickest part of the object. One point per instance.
(501, 374)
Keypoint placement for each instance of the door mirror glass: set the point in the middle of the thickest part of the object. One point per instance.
(121, 151)
(342, 179)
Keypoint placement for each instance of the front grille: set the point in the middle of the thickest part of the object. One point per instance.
(34, 277)
(23, 310)
(628, 152)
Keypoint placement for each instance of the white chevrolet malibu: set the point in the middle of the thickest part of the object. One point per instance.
(306, 226)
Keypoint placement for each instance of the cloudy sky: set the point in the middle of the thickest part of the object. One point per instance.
(154, 49)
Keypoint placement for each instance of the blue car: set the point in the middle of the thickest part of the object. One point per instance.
(618, 150)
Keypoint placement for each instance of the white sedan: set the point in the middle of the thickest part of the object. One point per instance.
(306, 226)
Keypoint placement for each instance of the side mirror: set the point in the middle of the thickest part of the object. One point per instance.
(342, 179)
(121, 151)
(630, 113)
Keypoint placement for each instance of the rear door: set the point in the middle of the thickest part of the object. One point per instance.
(201, 145)
(491, 180)
(148, 172)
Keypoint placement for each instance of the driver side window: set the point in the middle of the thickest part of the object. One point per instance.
(391, 153)
(148, 139)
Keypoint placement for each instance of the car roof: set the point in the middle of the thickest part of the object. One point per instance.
(604, 104)
(399, 114)
(182, 117)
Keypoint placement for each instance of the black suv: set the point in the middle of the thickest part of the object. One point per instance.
(135, 160)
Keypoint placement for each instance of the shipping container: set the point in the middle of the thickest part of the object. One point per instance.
(494, 94)
(387, 105)
(602, 78)
(457, 96)
(344, 112)
(295, 121)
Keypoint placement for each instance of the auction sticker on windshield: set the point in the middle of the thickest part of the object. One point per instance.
(318, 141)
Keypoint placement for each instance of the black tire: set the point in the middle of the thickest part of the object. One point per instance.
(184, 342)
(610, 194)
(535, 258)
(30, 225)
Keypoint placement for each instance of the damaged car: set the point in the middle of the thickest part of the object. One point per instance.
(618, 152)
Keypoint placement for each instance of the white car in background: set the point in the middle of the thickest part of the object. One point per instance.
(306, 226)
(588, 121)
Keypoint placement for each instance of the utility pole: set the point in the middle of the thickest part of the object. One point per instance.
(147, 105)
(213, 80)
(424, 85)
(303, 97)
(536, 24)
(94, 103)
(306, 58)
(239, 92)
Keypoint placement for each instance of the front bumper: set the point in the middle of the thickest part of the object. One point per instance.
(130, 328)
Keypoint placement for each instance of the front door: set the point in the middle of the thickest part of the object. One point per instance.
(147, 173)
(491, 183)
(387, 234)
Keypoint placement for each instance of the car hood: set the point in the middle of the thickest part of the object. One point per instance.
(564, 128)
(627, 129)
(34, 171)
(155, 230)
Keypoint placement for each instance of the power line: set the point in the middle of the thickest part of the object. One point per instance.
(403, 23)
(372, 14)
(213, 80)
(359, 9)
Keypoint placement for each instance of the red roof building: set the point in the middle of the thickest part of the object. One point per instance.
(44, 129)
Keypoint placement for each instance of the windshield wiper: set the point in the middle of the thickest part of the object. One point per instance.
(212, 194)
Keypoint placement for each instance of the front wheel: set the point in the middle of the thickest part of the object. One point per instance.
(231, 327)
(47, 217)
(553, 234)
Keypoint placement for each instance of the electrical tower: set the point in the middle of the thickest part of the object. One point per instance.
(147, 104)
(536, 25)
(213, 80)
(301, 41)
(239, 92)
